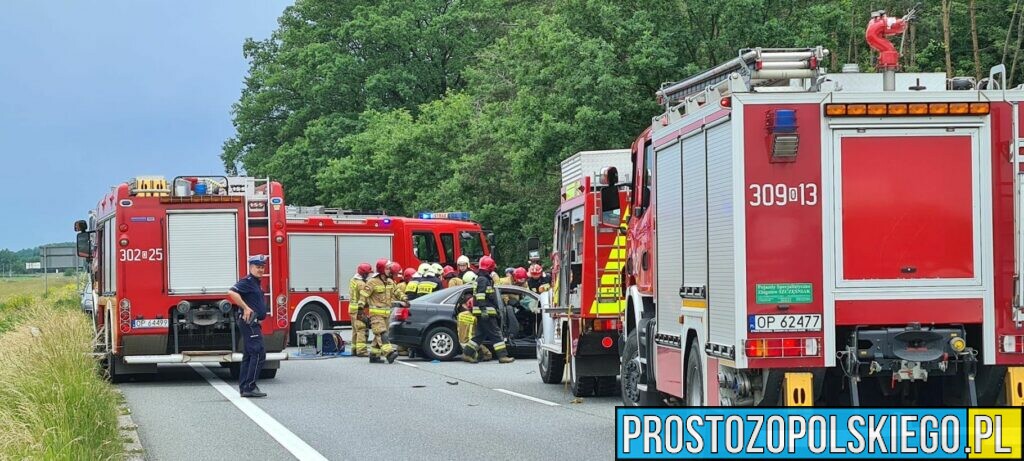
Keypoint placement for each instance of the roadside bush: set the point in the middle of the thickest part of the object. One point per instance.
(53, 402)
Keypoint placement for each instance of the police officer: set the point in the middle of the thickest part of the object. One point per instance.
(376, 298)
(359, 321)
(485, 309)
(248, 296)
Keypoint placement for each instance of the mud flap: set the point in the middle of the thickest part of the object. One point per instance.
(798, 389)
(1015, 386)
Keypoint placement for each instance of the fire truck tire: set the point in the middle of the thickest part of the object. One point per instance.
(312, 317)
(551, 365)
(112, 374)
(234, 369)
(694, 377)
(581, 386)
(607, 386)
(268, 373)
(630, 374)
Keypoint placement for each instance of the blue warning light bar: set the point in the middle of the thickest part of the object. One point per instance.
(457, 215)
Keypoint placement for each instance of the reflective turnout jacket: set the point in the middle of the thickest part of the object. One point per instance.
(355, 286)
(485, 301)
(378, 294)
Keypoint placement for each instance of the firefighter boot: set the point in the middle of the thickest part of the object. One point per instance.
(502, 353)
(485, 354)
(469, 352)
(392, 356)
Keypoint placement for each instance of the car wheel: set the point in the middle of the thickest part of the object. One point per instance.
(552, 365)
(694, 377)
(440, 344)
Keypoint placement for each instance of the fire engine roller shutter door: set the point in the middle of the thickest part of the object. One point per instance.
(202, 252)
(721, 240)
(311, 262)
(355, 249)
(668, 196)
(695, 212)
(908, 210)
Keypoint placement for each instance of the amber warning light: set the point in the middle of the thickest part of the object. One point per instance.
(901, 109)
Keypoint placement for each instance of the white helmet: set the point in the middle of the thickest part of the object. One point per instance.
(423, 269)
(462, 260)
(469, 278)
(436, 270)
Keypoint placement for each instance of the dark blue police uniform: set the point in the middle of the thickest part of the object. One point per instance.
(255, 354)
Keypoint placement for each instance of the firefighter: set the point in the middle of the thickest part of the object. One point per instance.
(485, 309)
(448, 274)
(429, 282)
(538, 282)
(408, 275)
(247, 294)
(465, 319)
(376, 299)
(519, 277)
(359, 321)
(399, 277)
(507, 279)
(411, 288)
(462, 265)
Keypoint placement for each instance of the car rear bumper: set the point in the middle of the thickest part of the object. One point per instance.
(405, 334)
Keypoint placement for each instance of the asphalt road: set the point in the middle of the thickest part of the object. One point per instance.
(347, 408)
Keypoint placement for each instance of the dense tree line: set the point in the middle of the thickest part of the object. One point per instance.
(411, 105)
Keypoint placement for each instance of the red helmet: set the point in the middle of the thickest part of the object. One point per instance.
(519, 274)
(410, 273)
(487, 264)
(382, 265)
(536, 271)
(364, 269)
(396, 269)
(448, 271)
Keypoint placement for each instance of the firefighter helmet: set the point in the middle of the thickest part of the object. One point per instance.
(436, 269)
(396, 269)
(463, 260)
(409, 273)
(364, 269)
(382, 265)
(423, 269)
(487, 263)
(519, 274)
(536, 271)
(469, 278)
(448, 271)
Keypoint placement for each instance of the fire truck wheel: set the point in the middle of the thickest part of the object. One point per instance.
(268, 373)
(581, 386)
(234, 369)
(630, 374)
(311, 317)
(552, 365)
(694, 377)
(112, 374)
(439, 344)
(607, 386)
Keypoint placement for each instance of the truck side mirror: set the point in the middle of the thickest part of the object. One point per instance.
(83, 245)
(81, 225)
(532, 244)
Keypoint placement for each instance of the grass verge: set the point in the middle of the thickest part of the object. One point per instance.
(53, 402)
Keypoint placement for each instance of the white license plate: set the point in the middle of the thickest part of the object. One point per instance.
(785, 322)
(149, 323)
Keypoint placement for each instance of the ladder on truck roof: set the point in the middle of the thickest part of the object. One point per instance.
(756, 65)
(258, 196)
(608, 295)
(300, 212)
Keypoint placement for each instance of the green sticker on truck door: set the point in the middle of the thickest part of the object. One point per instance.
(784, 293)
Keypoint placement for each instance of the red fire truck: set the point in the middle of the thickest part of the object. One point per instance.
(327, 244)
(581, 315)
(802, 237)
(163, 259)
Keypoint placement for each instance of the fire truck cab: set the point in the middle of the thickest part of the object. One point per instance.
(163, 257)
(802, 237)
(581, 315)
(327, 244)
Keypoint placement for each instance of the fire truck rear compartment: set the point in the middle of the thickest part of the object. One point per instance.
(202, 327)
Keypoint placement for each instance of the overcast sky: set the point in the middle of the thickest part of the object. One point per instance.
(95, 92)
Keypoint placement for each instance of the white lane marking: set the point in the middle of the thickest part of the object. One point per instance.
(527, 397)
(286, 438)
(408, 364)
